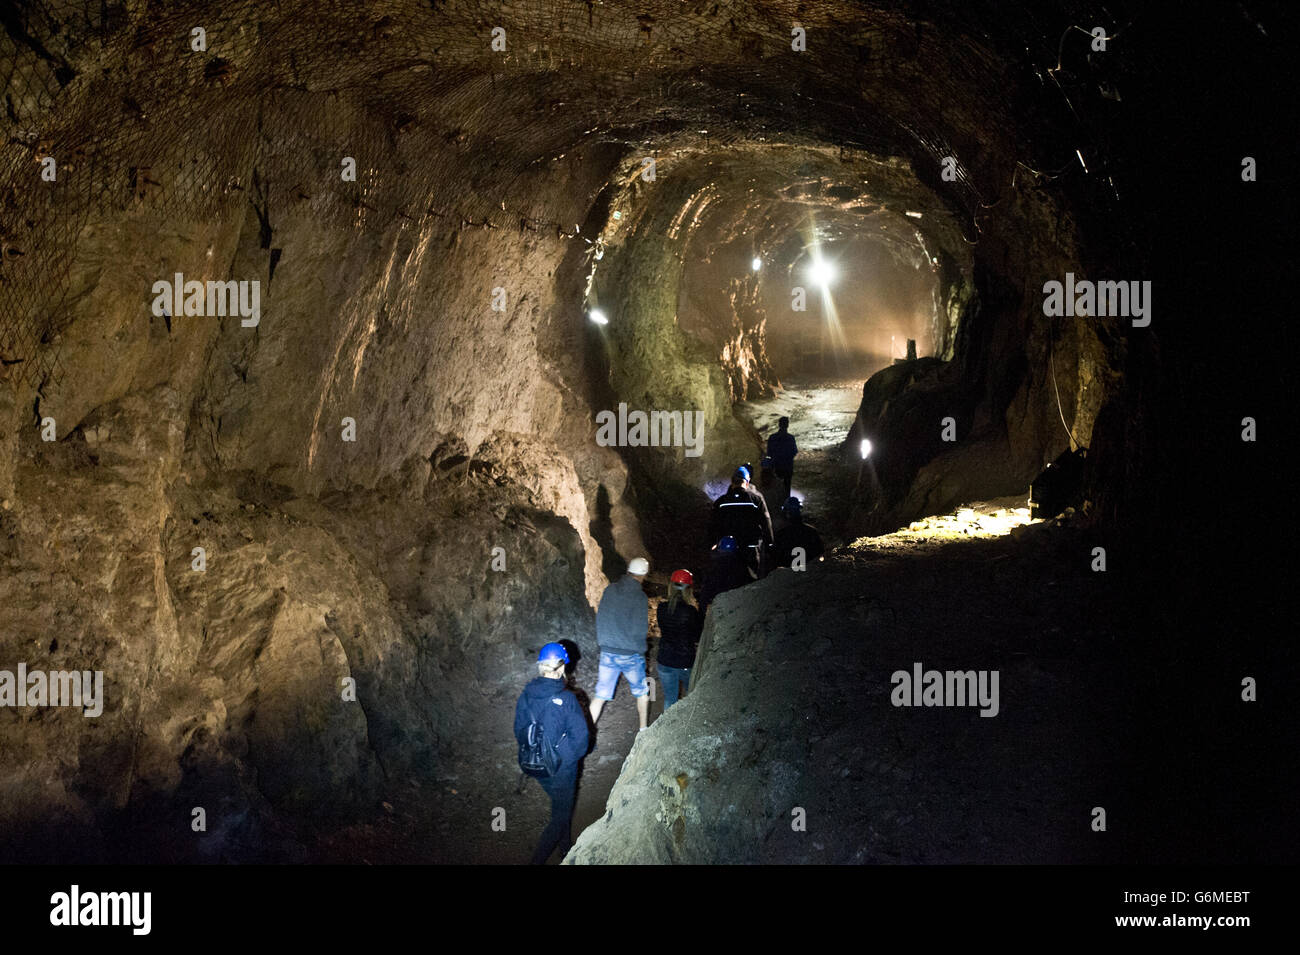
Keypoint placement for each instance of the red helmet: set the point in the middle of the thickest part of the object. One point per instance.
(683, 577)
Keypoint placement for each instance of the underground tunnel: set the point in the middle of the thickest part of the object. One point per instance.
(350, 351)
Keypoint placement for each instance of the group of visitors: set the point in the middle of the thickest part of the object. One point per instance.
(551, 730)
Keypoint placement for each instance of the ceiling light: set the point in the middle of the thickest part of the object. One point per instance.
(821, 272)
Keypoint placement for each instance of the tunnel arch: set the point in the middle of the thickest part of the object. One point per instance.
(478, 171)
(725, 206)
(389, 102)
(485, 175)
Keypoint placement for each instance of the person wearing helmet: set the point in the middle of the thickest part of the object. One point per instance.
(622, 625)
(742, 513)
(798, 543)
(548, 703)
(727, 571)
(680, 623)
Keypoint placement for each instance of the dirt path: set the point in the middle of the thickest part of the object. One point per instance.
(820, 417)
(458, 820)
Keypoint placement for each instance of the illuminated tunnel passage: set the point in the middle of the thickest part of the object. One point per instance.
(340, 376)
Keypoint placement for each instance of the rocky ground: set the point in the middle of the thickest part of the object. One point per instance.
(800, 665)
(820, 414)
(792, 718)
(792, 709)
(789, 748)
(450, 820)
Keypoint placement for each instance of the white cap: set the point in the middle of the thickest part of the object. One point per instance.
(639, 565)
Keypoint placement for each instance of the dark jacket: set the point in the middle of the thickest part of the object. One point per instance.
(726, 572)
(623, 617)
(797, 534)
(679, 634)
(553, 705)
(781, 448)
(741, 513)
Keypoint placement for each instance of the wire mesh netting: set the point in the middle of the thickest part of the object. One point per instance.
(195, 112)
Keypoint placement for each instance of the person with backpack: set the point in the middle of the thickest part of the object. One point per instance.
(727, 571)
(680, 624)
(796, 535)
(741, 513)
(781, 448)
(551, 730)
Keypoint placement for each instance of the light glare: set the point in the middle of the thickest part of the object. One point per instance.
(821, 272)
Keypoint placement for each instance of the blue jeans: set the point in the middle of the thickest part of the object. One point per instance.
(674, 679)
(631, 665)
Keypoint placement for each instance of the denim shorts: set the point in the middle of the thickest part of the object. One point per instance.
(631, 665)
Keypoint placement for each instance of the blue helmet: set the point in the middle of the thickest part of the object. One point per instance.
(553, 652)
(728, 545)
(742, 472)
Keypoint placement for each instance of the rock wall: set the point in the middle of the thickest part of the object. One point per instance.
(225, 686)
(325, 560)
(666, 354)
(474, 174)
(788, 750)
(1021, 387)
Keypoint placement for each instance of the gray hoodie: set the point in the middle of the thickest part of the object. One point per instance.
(622, 620)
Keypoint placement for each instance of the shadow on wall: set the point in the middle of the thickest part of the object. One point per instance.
(612, 564)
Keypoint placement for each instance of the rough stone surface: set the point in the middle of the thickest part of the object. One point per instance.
(788, 750)
(329, 559)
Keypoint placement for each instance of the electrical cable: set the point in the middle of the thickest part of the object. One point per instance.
(1051, 363)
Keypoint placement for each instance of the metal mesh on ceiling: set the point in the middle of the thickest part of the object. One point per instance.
(439, 123)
